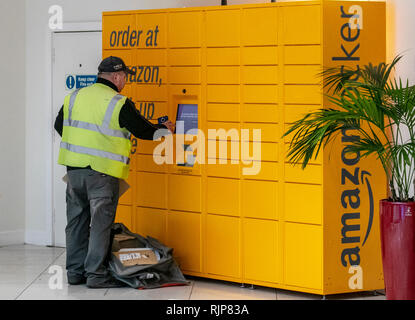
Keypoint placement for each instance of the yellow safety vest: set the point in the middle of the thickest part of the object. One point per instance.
(91, 133)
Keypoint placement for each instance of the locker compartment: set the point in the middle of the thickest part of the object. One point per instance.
(146, 162)
(260, 113)
(184, 193)
(192, 93)
(222, 149)
(302, 74)
(311, 174)
(269, 131)
(146, 75)
(303, 203)
(260, 247)
(302, 24)
(260, 74)
(151, 222)
(223, 56)
(268, 170)
(151, 110)
(222, 28)
(123, 32)
(147, 147)
(223, 196)
(303, 255)
(269, 151)
(151, 190)
(154, 29)
(184, 29)
(260, 56)
(259, 199)
(302, 54)
(127, 197)
(124, 216)
(223, 75)
(183, 234)
(225, 130)
(259, 26)
(303, 94)
(296, 112)
(152, 92)
(226, 170)
(223, 245)
(184, 57)
(223, 93)
(223, 112)
(151, 57)
(184, 75)
(260, 93)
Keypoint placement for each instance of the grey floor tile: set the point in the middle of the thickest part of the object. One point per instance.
(10, 291)
(21, 265)
(46, 288)
(167, 293)
(209, 289)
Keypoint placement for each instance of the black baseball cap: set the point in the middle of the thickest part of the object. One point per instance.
(114, 64)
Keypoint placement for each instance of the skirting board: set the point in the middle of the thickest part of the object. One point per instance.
(12, 237)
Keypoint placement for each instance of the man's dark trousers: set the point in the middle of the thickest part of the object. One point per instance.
(91, 200)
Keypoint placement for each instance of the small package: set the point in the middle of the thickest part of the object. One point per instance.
(124, 241)
(136, 256)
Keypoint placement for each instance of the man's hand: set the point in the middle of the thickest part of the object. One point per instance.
(170, 125)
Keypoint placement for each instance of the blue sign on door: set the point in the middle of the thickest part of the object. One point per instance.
(70, 82)
(80, 81)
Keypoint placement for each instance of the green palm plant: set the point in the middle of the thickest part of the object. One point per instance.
(379, 107)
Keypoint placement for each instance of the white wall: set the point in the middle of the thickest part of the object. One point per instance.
(12, 121)
(401, 40)
(39, 122)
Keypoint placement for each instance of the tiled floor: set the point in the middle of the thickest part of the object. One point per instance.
(24, 274)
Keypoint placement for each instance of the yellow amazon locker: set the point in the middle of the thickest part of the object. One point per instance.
(248, 215)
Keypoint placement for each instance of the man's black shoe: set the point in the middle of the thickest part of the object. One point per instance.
(75, 280)
(109, 283)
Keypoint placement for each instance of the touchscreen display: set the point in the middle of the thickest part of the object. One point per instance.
(188, 114)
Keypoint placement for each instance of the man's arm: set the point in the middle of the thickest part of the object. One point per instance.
(59, 122)
(134, 122)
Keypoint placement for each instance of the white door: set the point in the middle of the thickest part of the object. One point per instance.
(75, 54)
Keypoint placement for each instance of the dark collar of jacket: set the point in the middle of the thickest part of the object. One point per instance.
(107, 83)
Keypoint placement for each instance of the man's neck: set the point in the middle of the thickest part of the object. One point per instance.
(107, 83)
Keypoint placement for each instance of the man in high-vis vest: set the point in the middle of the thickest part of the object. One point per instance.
(95, 123)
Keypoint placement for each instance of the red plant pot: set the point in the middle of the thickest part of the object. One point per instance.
(397, 230)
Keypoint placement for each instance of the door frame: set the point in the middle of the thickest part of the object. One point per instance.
(94, 26)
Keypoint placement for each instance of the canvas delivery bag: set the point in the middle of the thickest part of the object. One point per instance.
(142, 263)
